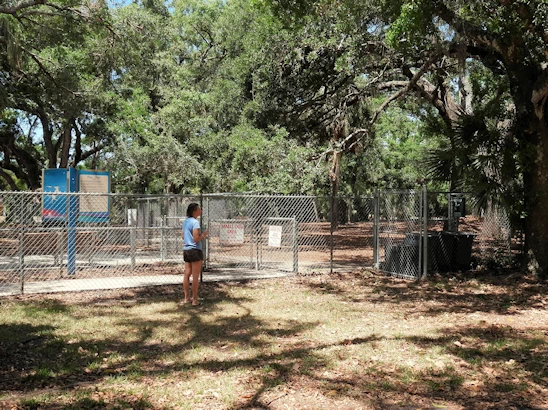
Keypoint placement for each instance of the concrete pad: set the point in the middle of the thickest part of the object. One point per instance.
(76, 285)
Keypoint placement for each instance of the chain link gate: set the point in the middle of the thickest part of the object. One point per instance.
(399, 232)
(259, 232)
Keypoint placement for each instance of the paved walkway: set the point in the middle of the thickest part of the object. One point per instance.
(74, 285)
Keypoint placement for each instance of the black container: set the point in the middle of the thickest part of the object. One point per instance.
(409, 260)
(456, 250)
(463, 249)
(392, 258)
(402, 259)
(446, 251)
(435, 253)
(445, 259)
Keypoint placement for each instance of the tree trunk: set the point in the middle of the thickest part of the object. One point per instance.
(65, 147)
(77, 145)
(536, 189)
(48, 139)
(529, 88)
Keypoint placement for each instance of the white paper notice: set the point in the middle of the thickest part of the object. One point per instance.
(132, 217)
(275, 236)
(231, 234)
(94, 183)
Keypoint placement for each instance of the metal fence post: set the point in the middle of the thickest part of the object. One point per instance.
(207, 224)
(162, 238)
(72, 233)
(132, 234)
(256, 234)
(148, 223)
(22, 257)
(260, 247)
(422, 236)
(295, 246)
(425, 230)
(332, 228)
(376, 218)
(252, 241)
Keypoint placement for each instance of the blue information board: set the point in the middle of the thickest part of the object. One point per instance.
(57, 182)
(58, 205)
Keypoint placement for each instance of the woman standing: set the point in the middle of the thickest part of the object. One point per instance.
(192, 252)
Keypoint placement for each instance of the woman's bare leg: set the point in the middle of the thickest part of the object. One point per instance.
(196, 269)
(186, 277)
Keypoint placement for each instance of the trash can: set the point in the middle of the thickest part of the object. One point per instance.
(434, 248)
(463, 249)
(409, 261)
(445, 251)
(435, 254)
(456, 251)
(412, 238)
(391, 258)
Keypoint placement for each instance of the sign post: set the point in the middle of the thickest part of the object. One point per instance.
(71, 222)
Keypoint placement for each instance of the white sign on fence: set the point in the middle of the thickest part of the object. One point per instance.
(275, 236)
(132, 217)
(231, 234)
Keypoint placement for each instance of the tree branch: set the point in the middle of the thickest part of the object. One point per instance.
(66, 137)
(466, 28)
(77, 144)
(92, 151)
(527, 15)
(21, 6)
(8, 178)
(412, 82)
(51, 149)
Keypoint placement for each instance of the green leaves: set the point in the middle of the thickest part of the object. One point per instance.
(412, 30)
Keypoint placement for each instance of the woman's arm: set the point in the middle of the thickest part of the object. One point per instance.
(196, 235)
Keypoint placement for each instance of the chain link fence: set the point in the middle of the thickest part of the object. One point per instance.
(89, 236)
(424, 232)
(460, 233)
(110, 238)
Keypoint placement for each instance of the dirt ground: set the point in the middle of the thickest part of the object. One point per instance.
(490, 346)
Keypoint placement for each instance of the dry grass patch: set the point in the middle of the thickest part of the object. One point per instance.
(345, 342)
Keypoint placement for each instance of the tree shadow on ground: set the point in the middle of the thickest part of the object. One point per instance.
(91, 402)
(37, 347)
(444, 294)
(405, 388)
(50, 361)
(512, 362)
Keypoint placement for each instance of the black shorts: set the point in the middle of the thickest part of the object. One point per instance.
(193, 255)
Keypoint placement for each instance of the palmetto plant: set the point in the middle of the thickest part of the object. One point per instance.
(482, 157)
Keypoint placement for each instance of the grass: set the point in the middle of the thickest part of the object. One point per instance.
(343, 342)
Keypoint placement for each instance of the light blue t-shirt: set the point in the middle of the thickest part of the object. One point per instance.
(188, 227)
